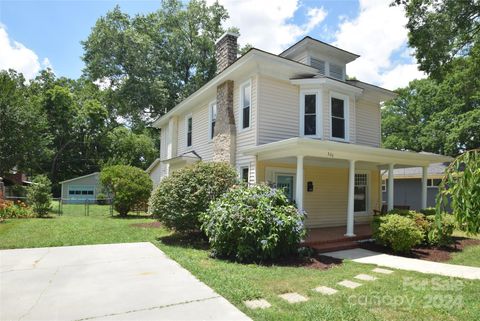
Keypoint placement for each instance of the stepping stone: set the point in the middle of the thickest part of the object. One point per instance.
(349, 284)
(365, 277)
(257, 304)
(325, 290)
(383, 271)
(293, 297)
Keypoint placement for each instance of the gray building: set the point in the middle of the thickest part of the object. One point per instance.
(81, 189)
(407, 189)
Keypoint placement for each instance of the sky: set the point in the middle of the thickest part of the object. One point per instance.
(48, 33)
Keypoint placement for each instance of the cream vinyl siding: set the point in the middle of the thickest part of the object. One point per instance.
(201, 142)
(301, 57)
(163, 152)
(278, 111)
(368, 119)
(327, 204)
(326, 94)
(246, 137)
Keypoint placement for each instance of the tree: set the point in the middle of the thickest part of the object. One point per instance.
(150, 62)
(128, 185)
(39, 195)
(461, 186)
(128, 148)
(441, 30)
(23, 133)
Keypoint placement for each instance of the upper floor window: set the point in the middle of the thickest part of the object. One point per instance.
(339, 117)
(310, 114)
(245, 105)
(189, 130)
(319, 64)
(213, 118)
(336, 71)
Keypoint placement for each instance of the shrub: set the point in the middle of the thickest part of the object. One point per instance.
(440, 233)
(127, 184)
(101, 199)
(398, 232)
(181, 197)
(253, 224)
(428, 211)
(39, 195)
(9, 209)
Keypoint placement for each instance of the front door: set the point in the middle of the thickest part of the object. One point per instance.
(285, 182)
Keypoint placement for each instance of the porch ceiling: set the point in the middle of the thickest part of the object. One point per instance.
(325, 149)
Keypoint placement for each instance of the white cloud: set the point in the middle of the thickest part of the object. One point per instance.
(14, 55)
(377, 34)
(267, 25)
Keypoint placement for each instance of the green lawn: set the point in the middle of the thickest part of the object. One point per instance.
(400, 296)
(469, 256)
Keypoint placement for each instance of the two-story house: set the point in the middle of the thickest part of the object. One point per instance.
(293, 120)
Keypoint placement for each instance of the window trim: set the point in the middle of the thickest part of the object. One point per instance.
(430, 180)
(346, 112)
(240, 173)
(384, 185)
(369, 186)
(187, 117)
(240, 111)
(318, 113)
(210, 119)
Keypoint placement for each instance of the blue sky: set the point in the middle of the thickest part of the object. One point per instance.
(36, 34)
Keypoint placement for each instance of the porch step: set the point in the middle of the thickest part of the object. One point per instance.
(333, 246)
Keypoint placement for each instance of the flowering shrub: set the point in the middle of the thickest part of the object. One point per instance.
(181, 197)
(253, 224)
(18, 209)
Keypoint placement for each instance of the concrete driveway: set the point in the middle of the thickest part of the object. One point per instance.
(132, 281)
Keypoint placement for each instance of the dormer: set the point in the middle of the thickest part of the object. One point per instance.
(329, 60)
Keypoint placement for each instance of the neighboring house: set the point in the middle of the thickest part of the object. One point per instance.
(10, 182)
(293, 120)
(408, 185)
(81, 189)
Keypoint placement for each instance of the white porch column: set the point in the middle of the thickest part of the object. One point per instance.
(390, 187)
(424, 186)
(350, 203)
(299, 185)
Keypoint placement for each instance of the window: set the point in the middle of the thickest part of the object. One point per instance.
(213, 118)
(244, 173)
(310, 114)
(433, 182)
(319, 64)
(384, 185)
(189, 131)
(245, 104)
(336, 71)
(361, 193)
(81, 192)
(339, 116)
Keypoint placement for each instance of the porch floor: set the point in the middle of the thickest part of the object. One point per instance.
(326, 239)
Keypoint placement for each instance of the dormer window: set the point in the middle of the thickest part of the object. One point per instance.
(336, 71)
(318, 64)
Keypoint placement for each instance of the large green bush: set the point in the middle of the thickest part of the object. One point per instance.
(253, 224)
(398, 232)
(181, 197)
(39, 195)
(441, 230)
(128, 185)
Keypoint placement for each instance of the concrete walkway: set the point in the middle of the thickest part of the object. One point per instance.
(132, 281)
(408, 264)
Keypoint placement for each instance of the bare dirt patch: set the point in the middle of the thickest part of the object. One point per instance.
(315, 261)
(435, 254)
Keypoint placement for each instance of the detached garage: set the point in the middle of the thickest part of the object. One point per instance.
(81, 189)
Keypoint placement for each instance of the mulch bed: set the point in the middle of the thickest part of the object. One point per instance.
(148, 225)
(316, 261)
(435, 254)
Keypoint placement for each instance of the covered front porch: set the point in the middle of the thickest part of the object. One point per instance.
(337, 184)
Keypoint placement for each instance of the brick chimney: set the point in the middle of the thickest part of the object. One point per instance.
(226, 49)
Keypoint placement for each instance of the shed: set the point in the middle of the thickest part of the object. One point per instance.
(81, 189)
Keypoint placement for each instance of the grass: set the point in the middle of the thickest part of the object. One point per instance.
(400, 296)
(470, 255)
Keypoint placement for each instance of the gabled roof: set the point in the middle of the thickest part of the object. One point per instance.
(434, 170)
(74, 179)
(314, 43)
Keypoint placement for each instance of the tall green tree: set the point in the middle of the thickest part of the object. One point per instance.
(150, 62)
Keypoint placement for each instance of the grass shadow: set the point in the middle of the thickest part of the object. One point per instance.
(191, 240)
(132, 216)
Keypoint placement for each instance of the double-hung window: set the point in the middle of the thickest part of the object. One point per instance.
(433, 182)
(189, 128)
(310, 118)
(339, 117)
(360, 203)
(245, 105)
(244, 173)
(213, 118)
